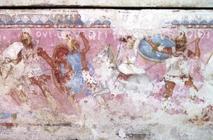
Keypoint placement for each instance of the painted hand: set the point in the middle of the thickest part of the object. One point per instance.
(149, 40)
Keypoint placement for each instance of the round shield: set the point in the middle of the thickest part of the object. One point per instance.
(147, 52)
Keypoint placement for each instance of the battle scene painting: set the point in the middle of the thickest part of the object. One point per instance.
(106, 74)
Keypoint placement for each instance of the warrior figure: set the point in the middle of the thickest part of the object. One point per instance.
(177, 66)
(126, 58)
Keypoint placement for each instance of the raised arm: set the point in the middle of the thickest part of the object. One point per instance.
(46, 57)
(196, 54)
(86, 43)
(159, 48)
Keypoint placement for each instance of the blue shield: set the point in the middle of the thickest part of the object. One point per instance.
(147, 52)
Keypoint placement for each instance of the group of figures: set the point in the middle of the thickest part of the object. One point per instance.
(21, 64)
(73, 74)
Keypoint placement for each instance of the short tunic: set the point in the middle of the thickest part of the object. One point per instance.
(76, 82)
(178, 67)
(127, 58)
(80, 78)
(31, 60)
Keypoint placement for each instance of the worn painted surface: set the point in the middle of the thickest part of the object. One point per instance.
(119, 3)
(106, 74)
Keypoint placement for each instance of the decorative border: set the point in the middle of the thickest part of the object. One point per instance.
(72, 19)
(45, 20)
(192, 23)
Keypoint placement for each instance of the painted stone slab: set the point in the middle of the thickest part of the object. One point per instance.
(106, 74)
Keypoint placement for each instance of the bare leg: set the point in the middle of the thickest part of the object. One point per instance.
(71, 99)
(190, 83)
(40, 82)
(169, 86)
(75, 104)
(22, 96)
(15, 97)
(9, 72)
